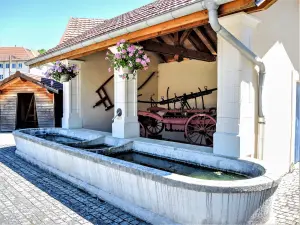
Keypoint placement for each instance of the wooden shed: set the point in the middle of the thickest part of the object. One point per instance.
(30, 101)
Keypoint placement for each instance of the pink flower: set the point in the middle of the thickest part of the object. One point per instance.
(106, 58)
(118, 44)
(123, 51)
(123, 41)
(145, 68)
(130, 54)
(147, 60)
(145, 56)
(138, 60)
(131, 49)
(123, 77)
(109, 69)
(143, 62)
(118, 56)
(123, 56)
(141, 52)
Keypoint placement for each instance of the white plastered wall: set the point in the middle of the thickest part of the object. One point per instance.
(276, 40)
(186, 77)
(94, 72)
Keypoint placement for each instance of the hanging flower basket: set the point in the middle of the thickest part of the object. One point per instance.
(61, 72)
(128, 59)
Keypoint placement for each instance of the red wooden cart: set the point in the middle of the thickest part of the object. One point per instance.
(198, 125)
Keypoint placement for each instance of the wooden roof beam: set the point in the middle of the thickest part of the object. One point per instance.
(184, 36)
(177, 50)
(176, 38)
(205, 41)
(168, 39)
(195, 43)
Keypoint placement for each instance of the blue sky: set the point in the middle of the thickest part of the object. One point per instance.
(37, 24)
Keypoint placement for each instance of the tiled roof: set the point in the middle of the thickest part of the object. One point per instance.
(143, 13)
(39, 80)
(77, 26)
(16, 53)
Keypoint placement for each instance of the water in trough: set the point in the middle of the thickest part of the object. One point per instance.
(170, 165)
(182, 168)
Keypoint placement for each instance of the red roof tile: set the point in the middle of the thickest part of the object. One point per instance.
(151, 10)
(77, 26)
(16, 53)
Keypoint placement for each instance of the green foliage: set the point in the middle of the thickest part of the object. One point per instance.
(42, 51)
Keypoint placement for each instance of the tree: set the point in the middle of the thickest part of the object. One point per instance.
(41, 51)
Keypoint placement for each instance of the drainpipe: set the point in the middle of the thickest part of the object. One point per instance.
(212, 8)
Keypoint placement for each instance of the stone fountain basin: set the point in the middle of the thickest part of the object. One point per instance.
(156, 196)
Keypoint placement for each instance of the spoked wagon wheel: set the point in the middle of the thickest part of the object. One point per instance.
(143, 132)
(154, 126)
(199, 129)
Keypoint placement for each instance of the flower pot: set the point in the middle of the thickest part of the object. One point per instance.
(126, 70)
(64, 78)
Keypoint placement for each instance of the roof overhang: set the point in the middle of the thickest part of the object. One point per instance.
(20, 76)
(189, 17)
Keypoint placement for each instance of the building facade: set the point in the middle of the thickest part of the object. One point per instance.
(12, 60)
(238, 133)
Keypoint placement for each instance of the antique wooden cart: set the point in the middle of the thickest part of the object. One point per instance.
(198, 125)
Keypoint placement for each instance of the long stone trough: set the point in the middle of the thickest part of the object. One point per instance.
(154, 195)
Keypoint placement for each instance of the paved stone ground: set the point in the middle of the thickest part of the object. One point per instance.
(286, 205)
(29, 195)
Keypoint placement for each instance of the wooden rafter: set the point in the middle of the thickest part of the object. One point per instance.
(168, 39)
(176, 39)
(177, 50)
(205, 41)
(195, 43)
(182, 23)
(184, 36)
(211, 33)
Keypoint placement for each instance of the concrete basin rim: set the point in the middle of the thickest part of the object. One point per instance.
(263, 182)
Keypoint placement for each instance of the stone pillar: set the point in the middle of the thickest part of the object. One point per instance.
(237, 82)
(125, 98)
(72, 101)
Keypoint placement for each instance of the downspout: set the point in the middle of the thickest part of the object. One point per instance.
(212, 8)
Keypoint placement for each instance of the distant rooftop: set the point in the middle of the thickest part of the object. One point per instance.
(16, 53)
(77, 26)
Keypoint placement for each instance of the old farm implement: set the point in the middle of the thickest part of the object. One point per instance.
(198, 125)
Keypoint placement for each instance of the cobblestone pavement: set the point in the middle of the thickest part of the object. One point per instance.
(29, 195)
(286, 205)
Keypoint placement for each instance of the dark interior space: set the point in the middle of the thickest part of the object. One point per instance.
(58, 108)
(26, 111)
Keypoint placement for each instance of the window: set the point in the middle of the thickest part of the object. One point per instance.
(7, 66)
(1, 65)
(14, 66)
(1, 77)
(20, 65)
